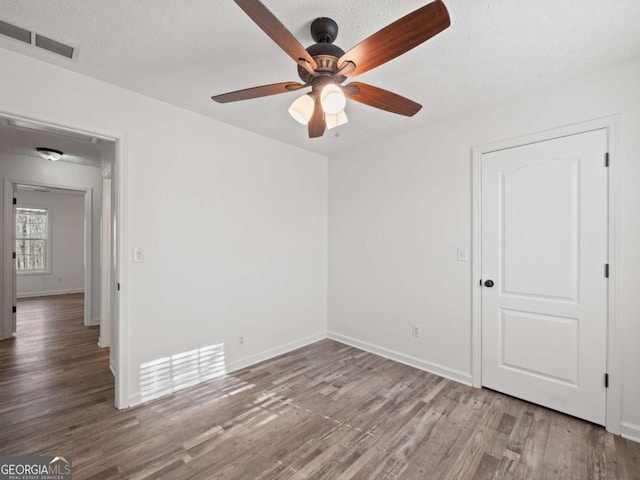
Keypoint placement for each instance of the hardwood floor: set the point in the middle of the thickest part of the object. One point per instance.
(326, 411)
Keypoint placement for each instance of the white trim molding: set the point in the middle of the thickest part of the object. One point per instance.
(106, 244)
(7, 317)
(106, 172)
(436, 369)
(119, 315)
(630, 431)
(88, 256)
(614, 342)
(274, 352)
(50, 293)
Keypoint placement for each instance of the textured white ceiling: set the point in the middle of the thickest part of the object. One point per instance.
(184, 52)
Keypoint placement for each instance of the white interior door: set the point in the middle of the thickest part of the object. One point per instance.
(544, 248)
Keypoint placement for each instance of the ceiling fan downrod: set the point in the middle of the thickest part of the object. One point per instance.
(324, 30)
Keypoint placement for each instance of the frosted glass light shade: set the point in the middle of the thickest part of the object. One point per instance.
(49, 154)
(332, 99)
(302, 109)
(334, 121)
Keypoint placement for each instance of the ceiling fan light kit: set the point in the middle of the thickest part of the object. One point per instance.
(336, 120)
(302, 109)
(325, 66)
(332, 99)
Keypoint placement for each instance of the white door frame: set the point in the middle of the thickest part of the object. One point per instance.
(119, 315)
(105, 262)
(7, 317)
(87, 240)
(614, 342)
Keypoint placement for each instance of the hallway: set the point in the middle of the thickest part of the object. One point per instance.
(53, 376)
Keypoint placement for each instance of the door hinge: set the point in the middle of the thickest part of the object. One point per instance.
(15, 201)
(606, 270)
(15, 309)
(14, 255)
(606, 380)
(118, 286)
(606, 159)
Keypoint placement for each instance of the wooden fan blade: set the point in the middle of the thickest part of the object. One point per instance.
(397, 38)
(270, 24)
(317, 124)
(255, 92)
(379, 98)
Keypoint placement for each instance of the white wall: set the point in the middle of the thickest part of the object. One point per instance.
(398, 209)
(66, 244)
(233, 225)
(42, 172)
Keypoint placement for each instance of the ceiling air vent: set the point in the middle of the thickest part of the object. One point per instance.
(14, 32)
(41, 41)
(53, 46)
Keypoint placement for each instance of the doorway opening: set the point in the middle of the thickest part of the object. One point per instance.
(60, 242)
(53, 243)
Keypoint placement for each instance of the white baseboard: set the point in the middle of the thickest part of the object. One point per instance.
(231, 367)
(112, 367)
(274, 352)
(630, 431)
(49, 293)
(95, 321)
(451, 374)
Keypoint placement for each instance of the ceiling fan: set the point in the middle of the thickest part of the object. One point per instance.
(325, 66)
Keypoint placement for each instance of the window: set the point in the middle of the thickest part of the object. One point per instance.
(32, 240)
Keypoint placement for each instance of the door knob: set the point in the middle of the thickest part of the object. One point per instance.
(488, 283)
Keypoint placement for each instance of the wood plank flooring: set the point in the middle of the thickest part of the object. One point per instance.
(326, 411)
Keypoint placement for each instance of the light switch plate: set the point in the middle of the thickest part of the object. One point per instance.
(138, 256)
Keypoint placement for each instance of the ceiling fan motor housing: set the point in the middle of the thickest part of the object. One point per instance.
(324, 31)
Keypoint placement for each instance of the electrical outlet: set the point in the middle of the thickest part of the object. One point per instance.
(415, 331)
(241, 340)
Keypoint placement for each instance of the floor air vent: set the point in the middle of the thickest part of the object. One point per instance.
(54, 46)
(40, 41)
(14, 32)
